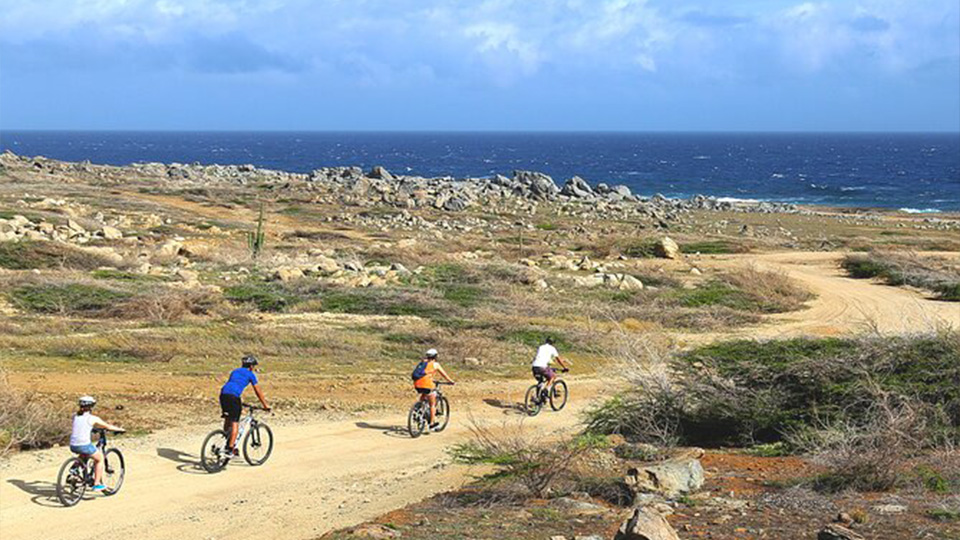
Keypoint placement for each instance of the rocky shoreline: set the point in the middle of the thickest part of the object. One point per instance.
(380, 186)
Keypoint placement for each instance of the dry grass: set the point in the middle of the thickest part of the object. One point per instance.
(775, 288)
(935, 274)
(26, 421)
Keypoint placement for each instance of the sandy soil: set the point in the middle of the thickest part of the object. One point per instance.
(323, 475)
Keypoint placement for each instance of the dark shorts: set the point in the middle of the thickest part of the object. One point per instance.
(231, 407)
(424, 391)
(543, 374)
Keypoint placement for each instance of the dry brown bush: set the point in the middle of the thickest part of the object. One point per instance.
(165, 305)
(774, 287)
(26, 421)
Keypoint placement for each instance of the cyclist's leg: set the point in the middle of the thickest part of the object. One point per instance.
(432, 397)
(232, 433)
(97, 458)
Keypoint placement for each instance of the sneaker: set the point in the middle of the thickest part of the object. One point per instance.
(435, 426)
(235, 452)
(99, 487)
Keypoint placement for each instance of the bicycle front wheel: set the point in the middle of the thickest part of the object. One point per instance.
(71, 482)
(531, 402)
(258, 444)
(214, 454)
(443, 413)
(113, 471)
(558, 395)
(416, 420)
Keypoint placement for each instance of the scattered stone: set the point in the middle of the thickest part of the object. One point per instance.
(111, 233)
(887, 509)
(672, 478)
(666, 248)
(287, 274)
(374, 531)
(646, 524)
(380, 173)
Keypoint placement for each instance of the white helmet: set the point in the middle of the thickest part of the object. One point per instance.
(432, 353)
(87, 401)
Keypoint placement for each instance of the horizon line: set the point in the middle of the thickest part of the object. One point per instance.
(487, 131)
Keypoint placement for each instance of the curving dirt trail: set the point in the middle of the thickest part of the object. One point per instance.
(329, 474)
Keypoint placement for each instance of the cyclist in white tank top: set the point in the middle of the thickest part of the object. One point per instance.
(84, 422)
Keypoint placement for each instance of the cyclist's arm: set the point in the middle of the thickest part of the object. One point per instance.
(444, 374)
(110, 427)
(263, 401)
(562, 363)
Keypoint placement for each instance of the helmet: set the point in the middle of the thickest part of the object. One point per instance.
(548, 340)
(432, 353)
(249, 360)
(87, 401)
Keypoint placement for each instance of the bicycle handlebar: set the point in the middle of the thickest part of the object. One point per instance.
(255, 407)
(439, 383)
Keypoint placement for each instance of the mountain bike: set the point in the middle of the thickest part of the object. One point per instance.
(76, 474)
(538, 395)
(419, 417)
(257, 443)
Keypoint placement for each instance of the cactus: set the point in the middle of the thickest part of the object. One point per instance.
(255, 240)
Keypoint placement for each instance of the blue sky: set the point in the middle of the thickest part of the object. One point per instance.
(866, 65)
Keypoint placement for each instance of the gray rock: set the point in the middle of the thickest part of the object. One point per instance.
(454, 204)
(577, 187)
(646, 524)
(668, 249)
(837, 532)
(671, 478)
(380, 173)
(539, 186)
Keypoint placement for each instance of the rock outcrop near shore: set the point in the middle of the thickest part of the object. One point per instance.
(379, 186)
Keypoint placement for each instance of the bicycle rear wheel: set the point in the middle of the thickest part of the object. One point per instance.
(113, 471)
(71, 482)
(531, 402)
(558, 395)
(417, 420)
(214, 454)
(258, 444)
(443, 413)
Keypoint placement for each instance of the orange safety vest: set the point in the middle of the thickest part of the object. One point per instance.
(427, 380)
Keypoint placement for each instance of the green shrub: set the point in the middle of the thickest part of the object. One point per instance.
(29, 255)
(935, 275)
(71, 298)
(119, 275)
(646, 249)
(266, 296)
(535, 337)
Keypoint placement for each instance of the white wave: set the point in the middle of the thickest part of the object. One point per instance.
(737, 200)
(777, 175)
(921, 210)
(853, 188)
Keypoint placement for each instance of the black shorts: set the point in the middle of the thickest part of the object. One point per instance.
(543, 374)
(424, 391)
(231, 407)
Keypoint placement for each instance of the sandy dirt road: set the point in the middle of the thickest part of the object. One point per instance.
(323, 475)
(843, 306)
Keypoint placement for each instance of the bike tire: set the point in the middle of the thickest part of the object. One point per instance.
(443, 411)
(259, 437)
(416, 423)
(558, 395)
(213, 454)
(71, 481)
(114, 469)
(530, 402)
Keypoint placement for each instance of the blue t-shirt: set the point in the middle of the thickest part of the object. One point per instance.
(239, 379)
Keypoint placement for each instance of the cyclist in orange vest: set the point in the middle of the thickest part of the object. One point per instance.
(423, 382)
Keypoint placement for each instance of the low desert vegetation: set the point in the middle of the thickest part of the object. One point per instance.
(937, 275)
(27, 421)
(863, 407)
(46, 255)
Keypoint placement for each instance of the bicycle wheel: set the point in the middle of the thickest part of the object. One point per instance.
(113, 471)
(558, 395)
(258, 444)
(214, 455)
(416, 420)
(71, 482)
(443, 413)
(531, 402)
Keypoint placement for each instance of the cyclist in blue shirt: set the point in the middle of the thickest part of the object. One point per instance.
(230, 402)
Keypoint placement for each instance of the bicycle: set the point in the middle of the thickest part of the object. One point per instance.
(257, 444)
(538, 395)
(76, 474)
(419, 416)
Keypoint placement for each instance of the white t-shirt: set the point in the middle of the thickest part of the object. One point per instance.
(82, 427)
(545, 355)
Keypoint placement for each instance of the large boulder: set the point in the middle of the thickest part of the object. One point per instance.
(666, 248)
(111, 233)
(537, 185)
(577, 187)
(380, 173)
(672, 478)
(646, 524)
(287, 274)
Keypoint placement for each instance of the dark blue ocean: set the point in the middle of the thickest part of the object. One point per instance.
(919, 172)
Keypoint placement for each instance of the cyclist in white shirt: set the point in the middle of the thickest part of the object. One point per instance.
(84, 422)
(546, 354)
